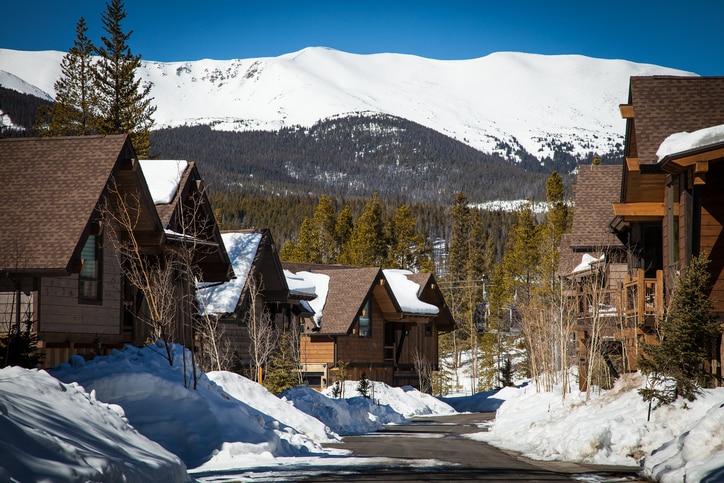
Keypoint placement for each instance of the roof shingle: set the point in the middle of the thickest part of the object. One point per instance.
(51, 187)
(664, 105)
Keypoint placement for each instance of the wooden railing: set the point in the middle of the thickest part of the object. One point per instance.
(643, 299)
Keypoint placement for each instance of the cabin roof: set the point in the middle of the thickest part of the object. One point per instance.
(597, 188)
(663, 105)
(347, 291)
(52, 188)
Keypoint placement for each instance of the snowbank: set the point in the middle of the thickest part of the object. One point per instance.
(405, 400)
(345, 416)
(50, 431)
(196, 425)
(274, 408)
(686, 438)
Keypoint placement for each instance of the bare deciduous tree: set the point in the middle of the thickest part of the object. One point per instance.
(152, 274)
(262, 334)
(423, 367)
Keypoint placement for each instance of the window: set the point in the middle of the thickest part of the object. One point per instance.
(89, 281)
(365, 321)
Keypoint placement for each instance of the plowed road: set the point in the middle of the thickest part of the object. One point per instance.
(434, 449)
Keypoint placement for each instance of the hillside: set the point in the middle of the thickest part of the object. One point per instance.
(355, 157)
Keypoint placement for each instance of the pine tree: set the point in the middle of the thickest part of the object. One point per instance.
(521, 262)
(306, 248)
(407, 245)
(676, 365)
(367, 245)
(325, 219)
(124, 103)
(283, 372)
(344, 225)
(363, 387)
(458, 256)
(73, 113)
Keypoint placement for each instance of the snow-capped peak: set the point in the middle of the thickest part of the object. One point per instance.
(529, 100)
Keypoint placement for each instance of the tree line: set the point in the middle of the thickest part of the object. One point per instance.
(355, 156)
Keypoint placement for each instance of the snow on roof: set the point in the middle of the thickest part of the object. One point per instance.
(321, 284)
(299, 285)
(405, 291)
(587, 261)
(684, 141)
(223, 298)
(163, 177)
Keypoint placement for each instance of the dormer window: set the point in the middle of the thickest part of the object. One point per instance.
(89, 281)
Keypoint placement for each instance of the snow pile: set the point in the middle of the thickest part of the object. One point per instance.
(686, 438)
(258, 397)
(482, 402)
(320, 282)
(223, 298)
(681, 142)
(587, 262)
(405, 291)
(345, 416)
(50, 431)
(162, 178)
(405, 400)
(199, 425)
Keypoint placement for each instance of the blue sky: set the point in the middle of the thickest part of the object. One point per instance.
(684, 35)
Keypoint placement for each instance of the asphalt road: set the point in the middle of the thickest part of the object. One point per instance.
(433, 449)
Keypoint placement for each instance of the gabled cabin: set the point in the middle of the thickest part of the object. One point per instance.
(671, 206)
(59, 267)
(191, 236)
(370, 321)
(258, 290)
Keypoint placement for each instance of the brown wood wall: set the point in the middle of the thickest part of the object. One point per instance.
(60, 312)
(712, 233)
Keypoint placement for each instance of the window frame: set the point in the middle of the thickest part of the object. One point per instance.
(96, 278)
(365, 314)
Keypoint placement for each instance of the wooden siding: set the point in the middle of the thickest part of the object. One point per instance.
(316, 349)
(9, 302)
(645, 188)
(364, 350)
(712, 231)
(61, 312)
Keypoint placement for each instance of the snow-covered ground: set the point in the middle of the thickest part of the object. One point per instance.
(54, 427)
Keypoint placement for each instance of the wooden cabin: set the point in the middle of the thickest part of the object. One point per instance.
(593, 262)
(59, 269)
(259, 291)
(671, 205)
(364, 323)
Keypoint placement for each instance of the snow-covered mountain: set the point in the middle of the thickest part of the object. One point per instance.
(541, 103)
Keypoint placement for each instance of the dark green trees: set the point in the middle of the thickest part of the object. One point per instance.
(73, 112)
(124, 104)
(101, 95)
(374, 239)
(676, 365)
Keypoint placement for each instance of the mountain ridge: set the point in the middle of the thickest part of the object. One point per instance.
(503, 103)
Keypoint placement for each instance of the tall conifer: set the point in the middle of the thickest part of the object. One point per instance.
(73, 113)
(324, 220)
(678, 362)
(460, 216)
(407, 245)
(124, 102)
(367, 246)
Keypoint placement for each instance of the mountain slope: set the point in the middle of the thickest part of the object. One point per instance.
(353, 156)
(497, 104)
